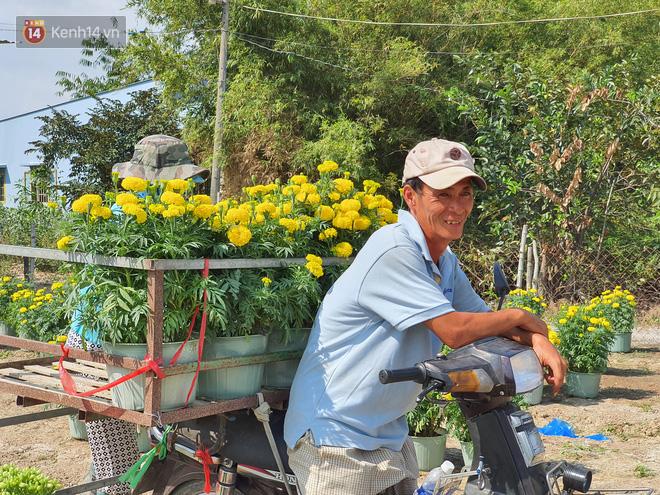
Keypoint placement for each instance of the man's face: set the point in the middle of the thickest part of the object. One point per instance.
(441, 212)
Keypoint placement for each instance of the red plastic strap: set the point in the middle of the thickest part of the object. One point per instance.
(70, 385)
(207, 461)
(202, 333)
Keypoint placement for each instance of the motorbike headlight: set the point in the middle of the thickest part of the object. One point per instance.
(527, 371)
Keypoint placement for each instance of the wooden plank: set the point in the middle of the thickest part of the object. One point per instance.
(100, 373)
(92, 382)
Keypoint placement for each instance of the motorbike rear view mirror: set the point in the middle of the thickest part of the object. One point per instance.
(501, 285)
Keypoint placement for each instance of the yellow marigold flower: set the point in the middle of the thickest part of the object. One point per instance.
(101, 211)
(173, 211)
(591, 329)
(203, 211)
(61, 338)
(315, 269)
(236, 215)
(334, 196)
(239, 235)
(134, 184)
(172, 198)
(350, 205)
(581, 335)
(177, 185)
(313, 199)
(52, 204)
(327, 166)
(33, 306)
(266, 281)
(264, 208)
(606, 323)
(326, 213)
(370, 186)
(327, 234)
(135, 211)
(64, 242)
(314, 259)
(342, 222)
(361, 223)
(23, 309)
(201, 198)
(223, 205)
(291, 190)
(633, 303)
(299, 179)
(343, 186)
(290, 224)
(6, 279)
(156, 209)
(615, 305)
(286, 208)
(563, 321)
(594, 321)
(630, 298)
(343, 249)
(126, 199)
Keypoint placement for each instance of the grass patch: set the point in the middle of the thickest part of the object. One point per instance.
(642, 471)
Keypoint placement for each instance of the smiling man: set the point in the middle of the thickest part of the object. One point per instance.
(403, 296)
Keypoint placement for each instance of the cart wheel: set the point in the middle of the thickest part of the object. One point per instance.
(195, 487)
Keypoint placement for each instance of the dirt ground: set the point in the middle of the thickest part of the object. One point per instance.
(627, 411)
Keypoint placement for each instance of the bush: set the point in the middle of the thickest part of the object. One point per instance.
(25, 481)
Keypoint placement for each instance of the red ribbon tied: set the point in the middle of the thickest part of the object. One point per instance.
(207, 461)
(70, 385)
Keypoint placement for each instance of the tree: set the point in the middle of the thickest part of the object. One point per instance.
(108, 137)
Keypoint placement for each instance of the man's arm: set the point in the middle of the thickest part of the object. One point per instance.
(457, 329)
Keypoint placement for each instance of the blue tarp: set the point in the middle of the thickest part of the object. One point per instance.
(560, 428)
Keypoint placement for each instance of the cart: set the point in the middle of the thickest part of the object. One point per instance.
(36, 381)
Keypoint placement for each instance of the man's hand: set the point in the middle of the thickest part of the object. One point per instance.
(550, 358)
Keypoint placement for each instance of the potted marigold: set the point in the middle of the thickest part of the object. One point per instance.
(584, 341)
(425, 427)
(618, 307)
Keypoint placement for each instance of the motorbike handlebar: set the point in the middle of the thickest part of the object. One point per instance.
(415, 374)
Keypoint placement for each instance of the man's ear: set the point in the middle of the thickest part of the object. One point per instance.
(410, 197)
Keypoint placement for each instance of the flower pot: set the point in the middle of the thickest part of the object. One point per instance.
(621, 342)
(232, 383)
(279, 374)
(535, 396)
(467, 450)
(130, 394)
(585, 385)
(430, 451)
(6, 329)
(77, 428)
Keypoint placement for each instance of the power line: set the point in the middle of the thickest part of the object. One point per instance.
(423, 24)
(242, 37)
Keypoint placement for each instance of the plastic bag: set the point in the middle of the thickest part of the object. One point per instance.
(561, 428)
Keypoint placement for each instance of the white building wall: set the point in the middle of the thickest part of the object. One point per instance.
(17, 132)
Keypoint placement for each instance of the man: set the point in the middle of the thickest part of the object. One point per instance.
(402, 297)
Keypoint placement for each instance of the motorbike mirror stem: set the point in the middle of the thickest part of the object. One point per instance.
(501, 284)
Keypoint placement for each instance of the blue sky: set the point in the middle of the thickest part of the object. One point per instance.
(27, 79)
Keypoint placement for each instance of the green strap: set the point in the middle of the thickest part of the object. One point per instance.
(135, 473)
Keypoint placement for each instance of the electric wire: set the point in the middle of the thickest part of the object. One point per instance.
(481, 24)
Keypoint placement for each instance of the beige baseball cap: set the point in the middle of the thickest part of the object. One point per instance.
(441, 164)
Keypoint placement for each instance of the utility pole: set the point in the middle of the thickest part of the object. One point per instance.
(222, 85)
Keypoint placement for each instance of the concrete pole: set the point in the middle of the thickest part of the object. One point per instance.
(222, 85)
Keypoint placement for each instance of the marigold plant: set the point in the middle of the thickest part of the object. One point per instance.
(584, 338)
(618, 307)
(528, 299)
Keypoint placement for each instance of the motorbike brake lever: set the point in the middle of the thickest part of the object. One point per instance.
(437, 384)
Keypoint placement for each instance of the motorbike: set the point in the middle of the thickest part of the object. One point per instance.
(483, 377)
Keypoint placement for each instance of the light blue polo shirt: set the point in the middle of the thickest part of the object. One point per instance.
(372, 319)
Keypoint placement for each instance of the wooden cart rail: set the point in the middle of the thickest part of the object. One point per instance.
(33, 382)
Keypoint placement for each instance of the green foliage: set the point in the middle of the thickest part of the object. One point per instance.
(584, 338)
(26, 481)
(562, 156)
(427, 419)
(107, 137)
